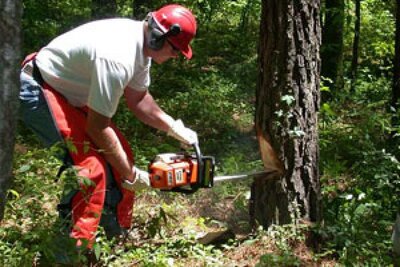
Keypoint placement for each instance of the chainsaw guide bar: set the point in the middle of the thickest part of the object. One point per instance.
(236, 177)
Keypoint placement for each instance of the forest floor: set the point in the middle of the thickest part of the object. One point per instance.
(227, 228)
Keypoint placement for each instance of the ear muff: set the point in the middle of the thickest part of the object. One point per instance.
(157, 37)
(156, 40)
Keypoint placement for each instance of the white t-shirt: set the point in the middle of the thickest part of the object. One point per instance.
(91, 65)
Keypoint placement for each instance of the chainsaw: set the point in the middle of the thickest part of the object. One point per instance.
(186, 172)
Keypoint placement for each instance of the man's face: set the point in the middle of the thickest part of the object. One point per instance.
(166, 52)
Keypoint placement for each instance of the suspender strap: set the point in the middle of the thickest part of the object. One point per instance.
(36, 73)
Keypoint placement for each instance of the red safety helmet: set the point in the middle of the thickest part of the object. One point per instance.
(171, 16)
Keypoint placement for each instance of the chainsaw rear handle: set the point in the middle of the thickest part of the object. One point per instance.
(206, 168)
(199, 162)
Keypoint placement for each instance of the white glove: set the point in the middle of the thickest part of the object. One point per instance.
(142, 181)
(183, 134)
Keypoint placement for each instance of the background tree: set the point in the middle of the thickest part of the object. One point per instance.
(244, 18)
(356, 44)
(396, 66)
(10, 26)
(43, 20)
(104, 9)
(286, 111)
(332, 43)
(395, 123)
(141, 8)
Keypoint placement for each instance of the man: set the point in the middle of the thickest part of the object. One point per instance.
(70, 90)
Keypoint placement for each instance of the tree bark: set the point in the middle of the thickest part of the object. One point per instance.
(395, 123)
(356, 44)
(244, 17)
(396, 63)
(332, 43)
(287, 102)
(104, 9)
(10, 27)
(396, 241)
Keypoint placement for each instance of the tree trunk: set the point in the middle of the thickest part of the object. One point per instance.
(356, 42)
(396, 241)
(332, 43)
(244, 17)
(10, 27)
(396, 63)
(104, 9)
(286, 112)
(395, 123)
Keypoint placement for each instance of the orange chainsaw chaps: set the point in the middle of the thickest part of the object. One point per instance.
(88, 203)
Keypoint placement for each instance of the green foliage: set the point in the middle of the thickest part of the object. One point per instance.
(43, 20)
(285, 238)
(360, 216)
(376, 36)
(28, 228)
(270, 260)
(360, 176)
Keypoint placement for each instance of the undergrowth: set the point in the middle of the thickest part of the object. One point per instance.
(165, 232)
(360, 181)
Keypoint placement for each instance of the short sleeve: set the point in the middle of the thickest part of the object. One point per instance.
(141, 79)
(107, 86)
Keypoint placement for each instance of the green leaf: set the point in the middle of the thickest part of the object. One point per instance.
(288, 99)
(325, 89)
(97, 250)
(86, 147)
(326, 108)
(14, 193)
(71, 146)
(249, 242)
(24, 168)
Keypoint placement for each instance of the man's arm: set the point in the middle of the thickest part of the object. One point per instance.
(99, 130)
(147, 110)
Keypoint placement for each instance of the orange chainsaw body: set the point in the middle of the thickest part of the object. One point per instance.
(168, 171)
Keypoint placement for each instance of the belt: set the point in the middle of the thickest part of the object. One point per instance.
(32, 70)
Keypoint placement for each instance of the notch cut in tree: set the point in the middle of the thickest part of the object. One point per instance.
(287, 102)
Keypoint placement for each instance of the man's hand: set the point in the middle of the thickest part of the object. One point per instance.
(183, 134)
(142, 181)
